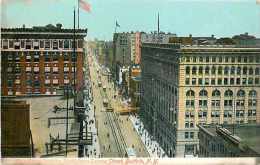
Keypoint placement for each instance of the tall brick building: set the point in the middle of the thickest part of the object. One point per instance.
(39, 60)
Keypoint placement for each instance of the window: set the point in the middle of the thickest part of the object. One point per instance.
(41, 44)
(213, 81)
(194, 70)
(245, 70)
(80, 43)
(251, 71)
(200, 81)
(226, 70)
(257, 71)
(187, 81)
(206, 81)
(220, 70)
(219, 81)
(232, 71)
(207, 70)
(186, 135)
(61, 44)
(187, 59)
(193, 81)
(232, 81)
(251, 58)
(245, 59)
(228, 93)
(257, 59)
(225, 81)
(11, 44)
(194, 59)
(219, 59)
(250, 80)
(190, 93)
(200, 59)
(228, 103)
(55, 44)
(207, 59)
(213, 70)
(238, 70)
(239, 59)
(241, 93)
(47, 44)
(256, 80)
(188, 70)
(213, 59)
(203, 103)
(191, 135)
(203, 93)
(216, 93)
(238, 81)
(226, 59)
(200, 70)
(66, 44)
(244, 81)
(233, 59)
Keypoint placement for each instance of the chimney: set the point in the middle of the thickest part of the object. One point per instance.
(190, 36)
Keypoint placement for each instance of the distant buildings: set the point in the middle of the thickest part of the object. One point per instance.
(185, 85)
(229, 141)
(135, 86)
(16, 137)
(39, 60)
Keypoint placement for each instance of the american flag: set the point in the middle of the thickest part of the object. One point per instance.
(84, 5)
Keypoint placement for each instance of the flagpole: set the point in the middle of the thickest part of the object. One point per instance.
(78, 14)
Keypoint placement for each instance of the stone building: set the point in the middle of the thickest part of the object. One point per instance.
(188, 85)
(39, 60)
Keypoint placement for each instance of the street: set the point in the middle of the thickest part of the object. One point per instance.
(114, 129)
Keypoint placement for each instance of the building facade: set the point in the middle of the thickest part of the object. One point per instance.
(229, 141)
(39, 60)
(16, 138)
(188, 85)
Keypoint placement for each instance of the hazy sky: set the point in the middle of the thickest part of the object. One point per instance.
(183, 17)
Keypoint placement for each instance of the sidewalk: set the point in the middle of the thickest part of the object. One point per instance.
(152, 146)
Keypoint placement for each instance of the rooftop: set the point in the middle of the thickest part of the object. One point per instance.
(246, 134)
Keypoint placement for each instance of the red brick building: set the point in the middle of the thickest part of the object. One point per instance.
(39, 60)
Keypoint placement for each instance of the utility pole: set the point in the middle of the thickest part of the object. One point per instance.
(67, 118)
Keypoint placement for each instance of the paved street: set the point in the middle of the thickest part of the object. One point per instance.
(120, 123)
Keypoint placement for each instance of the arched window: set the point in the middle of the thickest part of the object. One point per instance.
(200, 70)
(220, 70)
(251, 71)
(226, 70)
(187, 70)
(194, 70)
(228, 93)
(190, 93)
(203, 93)
(241, 93)
(207, 70)
(216, 93)
(252, 93)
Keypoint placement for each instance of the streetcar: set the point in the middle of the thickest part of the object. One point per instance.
(99, 84)
(130, 153)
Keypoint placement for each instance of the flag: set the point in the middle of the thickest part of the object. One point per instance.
(117, 25)
(84, 5)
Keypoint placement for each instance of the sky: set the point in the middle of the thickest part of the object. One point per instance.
(223, 18)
